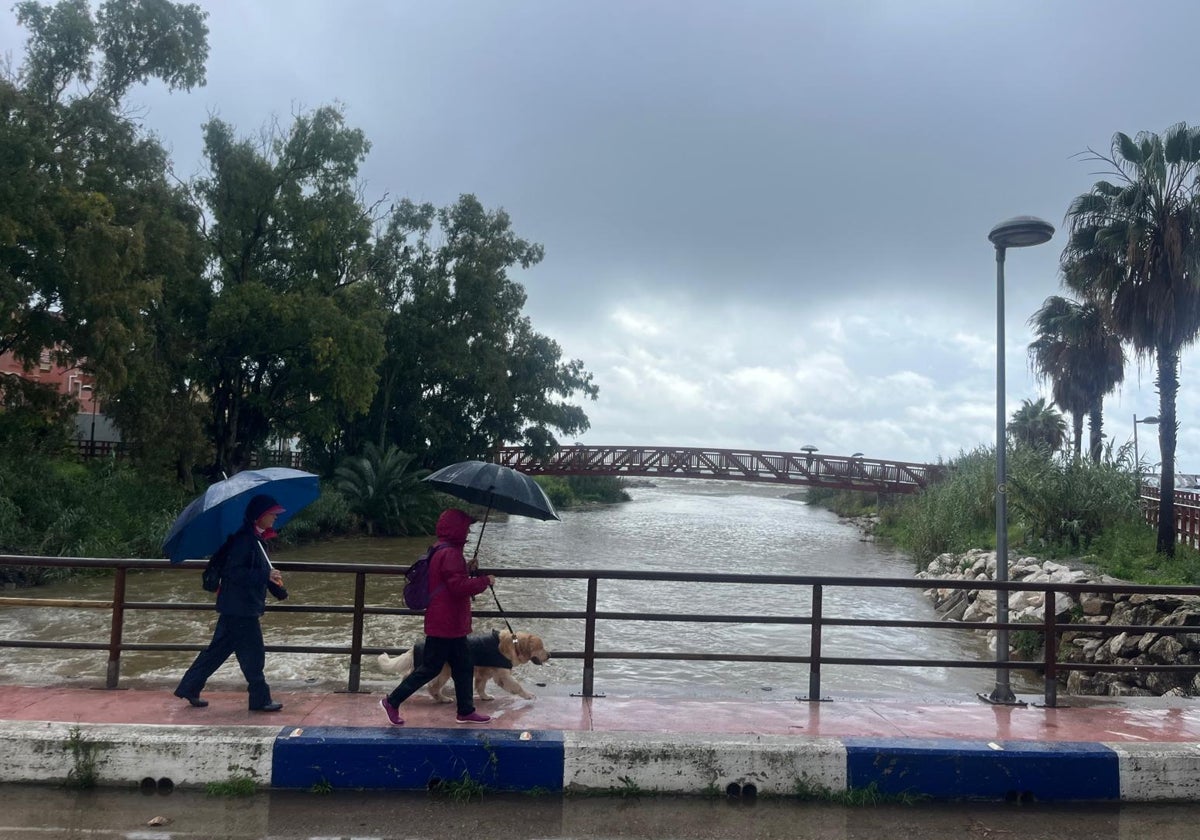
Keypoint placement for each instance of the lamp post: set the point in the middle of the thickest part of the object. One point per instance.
(1017, 232)
(1137, 458)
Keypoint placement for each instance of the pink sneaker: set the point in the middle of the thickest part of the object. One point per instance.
(393, 714)
(474, 717)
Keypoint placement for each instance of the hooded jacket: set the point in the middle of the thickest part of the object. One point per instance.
(451, 588)
(246, 576)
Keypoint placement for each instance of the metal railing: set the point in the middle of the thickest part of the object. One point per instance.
(1050, 628)
(1187, 514)
(853, 472)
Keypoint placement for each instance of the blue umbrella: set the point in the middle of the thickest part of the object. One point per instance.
(221, 509)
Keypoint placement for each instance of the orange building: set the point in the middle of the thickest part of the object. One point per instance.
(65, 380)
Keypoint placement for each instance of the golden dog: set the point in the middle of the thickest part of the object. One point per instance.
(489, 651)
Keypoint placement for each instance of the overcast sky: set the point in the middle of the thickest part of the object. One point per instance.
(765, 223)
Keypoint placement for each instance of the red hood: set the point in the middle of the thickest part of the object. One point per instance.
(452, 526)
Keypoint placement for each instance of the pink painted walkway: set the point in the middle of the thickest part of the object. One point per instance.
(1130, 720)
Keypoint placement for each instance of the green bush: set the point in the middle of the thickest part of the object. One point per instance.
(557, 490)
(1126, 550)
(328, 516)
(1062, 504)
(65, 508)
(606, 489)
(955, 514)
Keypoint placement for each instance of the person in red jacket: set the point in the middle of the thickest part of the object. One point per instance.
(447, 622)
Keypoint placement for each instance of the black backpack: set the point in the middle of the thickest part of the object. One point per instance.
(416, 590)
(210, 578)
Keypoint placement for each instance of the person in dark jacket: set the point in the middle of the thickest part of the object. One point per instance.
(447, 622)
(241, 600)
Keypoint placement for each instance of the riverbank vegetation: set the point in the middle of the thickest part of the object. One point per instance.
(265, 304)
(109, 508)
(264, 309)
(1059, 507)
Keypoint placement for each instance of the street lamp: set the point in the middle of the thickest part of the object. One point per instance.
(1137, 458)
(1017, 232)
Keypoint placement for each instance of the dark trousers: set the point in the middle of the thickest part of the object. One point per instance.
(241, 636)
(437, 653)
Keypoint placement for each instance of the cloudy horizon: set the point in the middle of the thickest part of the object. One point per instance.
(765, 224)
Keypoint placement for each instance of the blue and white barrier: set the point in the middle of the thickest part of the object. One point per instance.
(551, 761)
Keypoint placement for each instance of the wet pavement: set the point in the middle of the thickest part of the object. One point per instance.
(1086, 719)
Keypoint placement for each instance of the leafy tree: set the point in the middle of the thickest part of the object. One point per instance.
(77, 262)
(36, 418)
(292, 337)
(1133, 250)
(1083, 360)
(1038, 426)
(465, 371)
(390, 497)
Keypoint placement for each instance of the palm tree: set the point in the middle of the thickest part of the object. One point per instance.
(390, 498)
(1083, 359)
(1132, 250)
(1038, 425)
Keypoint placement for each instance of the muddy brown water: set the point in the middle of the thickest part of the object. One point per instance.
(707, 526)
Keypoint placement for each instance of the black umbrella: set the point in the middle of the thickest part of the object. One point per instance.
(493, 486)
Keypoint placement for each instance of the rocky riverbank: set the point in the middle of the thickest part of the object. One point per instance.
(1080, 642)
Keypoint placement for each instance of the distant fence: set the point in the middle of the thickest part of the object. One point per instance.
(1187, 514)
(89, 449)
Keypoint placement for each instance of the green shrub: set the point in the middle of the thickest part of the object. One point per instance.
(328, 516)
(557, 490)
(1063, 504)
(955, 514)
(606, 489)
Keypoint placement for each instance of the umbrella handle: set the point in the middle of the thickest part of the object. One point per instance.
(474, 564)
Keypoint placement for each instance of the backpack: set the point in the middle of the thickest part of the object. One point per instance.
(416, 590)
(210, 578)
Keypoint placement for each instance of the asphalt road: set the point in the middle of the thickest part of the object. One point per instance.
(42, 812)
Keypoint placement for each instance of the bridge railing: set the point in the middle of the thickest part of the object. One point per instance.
(594, 650)
(804, 468)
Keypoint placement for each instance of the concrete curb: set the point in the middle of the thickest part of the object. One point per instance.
(120, 754)
(620, 762)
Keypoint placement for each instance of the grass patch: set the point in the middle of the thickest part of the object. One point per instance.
(462, 790)
(808, 791)
(83, 774)
(233, 786)
(628, 789)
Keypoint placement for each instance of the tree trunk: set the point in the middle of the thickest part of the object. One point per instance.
(1095, 431)
(1077, 431)
(1167, 384)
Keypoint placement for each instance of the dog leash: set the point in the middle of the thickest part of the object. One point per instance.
(502, 615)
(474, 567)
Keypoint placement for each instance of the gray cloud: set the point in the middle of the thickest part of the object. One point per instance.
(765, 224)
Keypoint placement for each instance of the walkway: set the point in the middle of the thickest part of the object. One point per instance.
(1136, 749)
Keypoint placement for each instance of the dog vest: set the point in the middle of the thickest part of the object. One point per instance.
(483, 647)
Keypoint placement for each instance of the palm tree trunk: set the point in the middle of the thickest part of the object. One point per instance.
(1095, 431)
(1077, 430)
(1167, 384)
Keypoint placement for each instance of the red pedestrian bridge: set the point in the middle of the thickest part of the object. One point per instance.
(812, 469)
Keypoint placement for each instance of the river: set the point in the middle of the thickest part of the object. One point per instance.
(683, 525)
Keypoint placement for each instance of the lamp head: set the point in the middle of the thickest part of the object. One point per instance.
(1021, 232)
